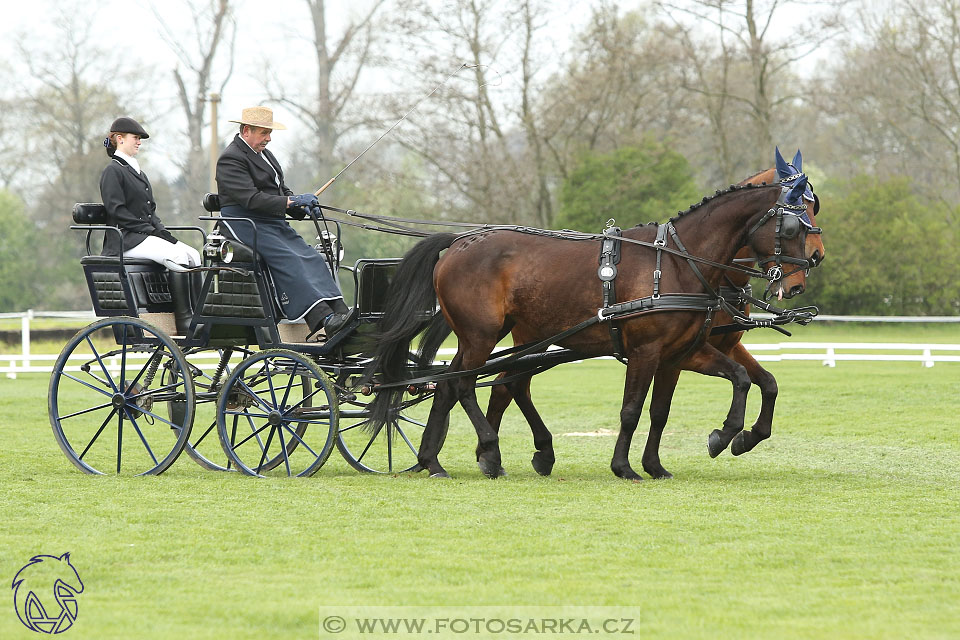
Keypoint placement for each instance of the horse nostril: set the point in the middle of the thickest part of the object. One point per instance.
(796, 290)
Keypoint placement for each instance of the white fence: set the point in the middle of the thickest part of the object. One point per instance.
(826, 353)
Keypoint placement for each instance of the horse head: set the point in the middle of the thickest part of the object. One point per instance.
(788, 173)
(778, 240)
(41, 583)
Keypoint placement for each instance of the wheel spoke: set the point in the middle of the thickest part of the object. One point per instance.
(255, 434)
(155, 416)
(300, 440)
(196, 443)
(390, 447)
(80, 413)
(87, 384)
(404, 436)
(400, 416)
(254, 395)
(103, 367)
(263, 456)
(283, 450)
(273, 392)
(140, 433)
(354, 426)
(123, 359)
(286, 392)
(119, 439)
(97, 434)
(369, 443)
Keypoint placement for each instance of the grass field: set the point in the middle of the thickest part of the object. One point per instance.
(845, 524)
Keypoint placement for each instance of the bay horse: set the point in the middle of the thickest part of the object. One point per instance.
(494, 281)
(666, 378)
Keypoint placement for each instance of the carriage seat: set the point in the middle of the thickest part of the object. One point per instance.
(148, 281)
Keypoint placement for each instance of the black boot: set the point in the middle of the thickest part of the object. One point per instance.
(315, 317)
(181, 292)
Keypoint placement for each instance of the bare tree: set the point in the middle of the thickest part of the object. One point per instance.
(745, 44)
(213, 29)
(896, 97)
(619, 86)
(340, 61)
(69, 99)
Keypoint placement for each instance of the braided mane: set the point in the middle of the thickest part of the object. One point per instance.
(717, 194)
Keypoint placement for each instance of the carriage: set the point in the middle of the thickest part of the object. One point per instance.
(218, 373)
(236, 387)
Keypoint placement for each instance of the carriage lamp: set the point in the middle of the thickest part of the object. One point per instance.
(326, 242)
(218, 248)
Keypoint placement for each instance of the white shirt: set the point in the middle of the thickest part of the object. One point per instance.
(129, 159)
(269, 164)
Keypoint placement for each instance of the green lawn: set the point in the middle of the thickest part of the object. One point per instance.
(844, 524)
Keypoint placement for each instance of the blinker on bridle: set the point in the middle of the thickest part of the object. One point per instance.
(789, 225)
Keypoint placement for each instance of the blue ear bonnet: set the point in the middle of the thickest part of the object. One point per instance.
(791, 175)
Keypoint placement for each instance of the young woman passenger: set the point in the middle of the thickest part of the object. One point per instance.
(127, 196)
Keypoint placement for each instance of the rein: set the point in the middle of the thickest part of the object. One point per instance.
(480, 228)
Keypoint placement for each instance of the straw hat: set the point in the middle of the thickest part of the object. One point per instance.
(259, 117)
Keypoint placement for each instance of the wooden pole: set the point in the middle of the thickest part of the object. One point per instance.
(214, 141)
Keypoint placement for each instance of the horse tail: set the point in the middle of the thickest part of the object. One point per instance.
(410, 295)
(437, 331)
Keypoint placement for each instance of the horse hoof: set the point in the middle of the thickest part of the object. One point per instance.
(739, 446)
(715, 445)
(490, 470)
(660, 474)
(440, 474)
(541, 466)
(628, 474)
(417, 468)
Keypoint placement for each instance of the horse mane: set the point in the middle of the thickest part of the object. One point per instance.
(717, 194)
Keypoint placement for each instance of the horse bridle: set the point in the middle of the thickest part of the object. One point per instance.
(788, 227)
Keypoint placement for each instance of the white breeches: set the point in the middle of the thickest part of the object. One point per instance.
(162, 252)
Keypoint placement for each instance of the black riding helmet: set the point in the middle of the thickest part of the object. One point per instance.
(128, 125)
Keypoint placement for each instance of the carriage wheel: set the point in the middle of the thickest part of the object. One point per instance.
(102, 395)
(277, 411)
(390, 449)
(203, 446)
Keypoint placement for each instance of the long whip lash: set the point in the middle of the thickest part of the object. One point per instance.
(395, 124)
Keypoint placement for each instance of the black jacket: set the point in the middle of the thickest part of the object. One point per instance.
(128, 199)
(244, 179)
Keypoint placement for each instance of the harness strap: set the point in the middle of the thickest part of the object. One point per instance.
(659, 243)
(607, 272)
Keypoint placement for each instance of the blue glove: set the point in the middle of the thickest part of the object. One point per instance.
(304, 200)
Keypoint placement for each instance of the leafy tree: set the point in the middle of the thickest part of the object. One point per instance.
(18, 263)
(632, 184)
(889, 252)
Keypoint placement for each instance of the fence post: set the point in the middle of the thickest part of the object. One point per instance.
(830, 361)
(928, 362)
(25, 337)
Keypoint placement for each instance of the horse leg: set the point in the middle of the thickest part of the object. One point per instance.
(488, 440)
(664, 384)
(438, 421)
(711, 362)
(500, 397)
(640, 372)
(748, 439)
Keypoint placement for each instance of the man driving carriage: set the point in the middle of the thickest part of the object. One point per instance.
(251, 185)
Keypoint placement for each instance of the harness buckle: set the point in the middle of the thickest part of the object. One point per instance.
(600, 315)
(656, 274)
